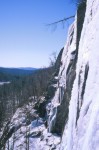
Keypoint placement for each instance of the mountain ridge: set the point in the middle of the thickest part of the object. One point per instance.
(17, 71)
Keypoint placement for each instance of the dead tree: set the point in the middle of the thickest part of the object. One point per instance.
(61, 21)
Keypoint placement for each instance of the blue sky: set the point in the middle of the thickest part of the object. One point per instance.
(25, 41)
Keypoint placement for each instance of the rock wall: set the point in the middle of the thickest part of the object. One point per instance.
(82, 129)
(59, 106)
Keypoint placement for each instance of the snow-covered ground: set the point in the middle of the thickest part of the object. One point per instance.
(36, 138)
(30, 136)
(2, 83)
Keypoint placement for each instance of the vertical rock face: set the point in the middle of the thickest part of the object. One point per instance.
(59, 106)
(59, 102)
(78, 83)
(82, 130)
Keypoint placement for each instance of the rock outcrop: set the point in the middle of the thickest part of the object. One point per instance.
(58, 114)
(82, 129)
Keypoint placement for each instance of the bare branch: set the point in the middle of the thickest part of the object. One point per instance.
(59, 21)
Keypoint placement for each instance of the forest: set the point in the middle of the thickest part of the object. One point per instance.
(20, 88)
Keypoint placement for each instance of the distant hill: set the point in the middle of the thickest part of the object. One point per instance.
(27, 68)
(8, 73)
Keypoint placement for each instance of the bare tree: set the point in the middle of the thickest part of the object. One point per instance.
(53, 58)
(8, 145)
(27, 138)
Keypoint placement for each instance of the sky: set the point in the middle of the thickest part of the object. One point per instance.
(25, 40)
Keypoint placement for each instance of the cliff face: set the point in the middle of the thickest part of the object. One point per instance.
(58, 114)
(83, 123)
(78, 83)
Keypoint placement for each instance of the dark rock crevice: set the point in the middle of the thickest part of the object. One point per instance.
(80, 20)
(81, 95)
(85, 79)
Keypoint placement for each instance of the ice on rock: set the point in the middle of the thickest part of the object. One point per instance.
(82, 132)
(67, 56)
